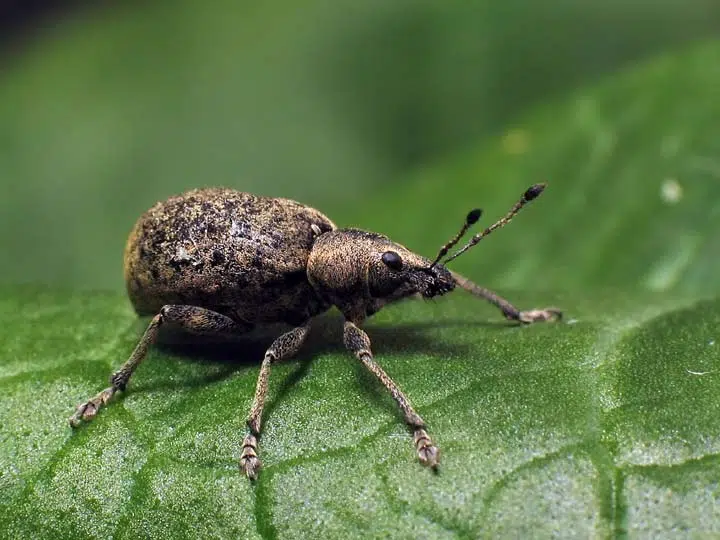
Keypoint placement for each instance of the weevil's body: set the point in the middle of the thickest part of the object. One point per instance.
(235, 253)
(257, 260)
(221, 262)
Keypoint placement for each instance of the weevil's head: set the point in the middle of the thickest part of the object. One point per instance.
(394, 272)
(360, 272)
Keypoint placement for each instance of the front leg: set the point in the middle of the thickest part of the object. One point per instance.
(358, 342)
(509, 311)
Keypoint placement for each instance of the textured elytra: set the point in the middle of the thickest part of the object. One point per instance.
(239, 254)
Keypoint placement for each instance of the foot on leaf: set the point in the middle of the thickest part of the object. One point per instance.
(428, 453)
(87, 411)
(250, 463)
(540, 315)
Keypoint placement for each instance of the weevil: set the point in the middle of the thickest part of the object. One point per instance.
(221, 262)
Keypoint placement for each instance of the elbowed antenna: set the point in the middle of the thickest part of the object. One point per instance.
(531, 193)
(470, 220)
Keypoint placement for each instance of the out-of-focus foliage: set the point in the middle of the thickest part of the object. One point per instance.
(633, 197)
(322, 101)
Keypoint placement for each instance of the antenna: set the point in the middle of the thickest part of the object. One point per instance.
(531, 193)
(470, 220)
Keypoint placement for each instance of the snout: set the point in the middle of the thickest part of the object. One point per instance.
(438, 289)
(439, 282)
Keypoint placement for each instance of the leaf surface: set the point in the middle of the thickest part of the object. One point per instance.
(603, 425)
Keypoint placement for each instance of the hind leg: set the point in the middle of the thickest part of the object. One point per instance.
(192, 319)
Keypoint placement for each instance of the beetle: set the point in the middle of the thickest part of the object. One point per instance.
(220, 262)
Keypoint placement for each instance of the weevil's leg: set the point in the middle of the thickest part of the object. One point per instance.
(283, 347)
(190, 318)
(511, 312)
(358, 342)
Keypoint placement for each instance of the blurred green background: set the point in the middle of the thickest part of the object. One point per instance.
(342, 105)
(399, 117)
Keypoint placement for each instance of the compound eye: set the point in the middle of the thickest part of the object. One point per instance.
(392, 260)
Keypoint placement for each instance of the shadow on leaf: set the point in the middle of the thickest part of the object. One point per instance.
(325, 338)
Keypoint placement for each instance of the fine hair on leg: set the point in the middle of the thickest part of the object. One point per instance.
(192, 319)
(358, 342)
(284, 347)
(508, 310)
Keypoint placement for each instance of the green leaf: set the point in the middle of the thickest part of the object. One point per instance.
(603, 425)
(606, 424)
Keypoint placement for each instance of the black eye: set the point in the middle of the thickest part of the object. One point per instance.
(392, 259)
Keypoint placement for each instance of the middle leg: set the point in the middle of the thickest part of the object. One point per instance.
(283, 347)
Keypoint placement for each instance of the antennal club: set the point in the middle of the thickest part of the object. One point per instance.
(470, 220)
(531, 193)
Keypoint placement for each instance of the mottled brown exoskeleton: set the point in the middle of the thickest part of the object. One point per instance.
(221, 262)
